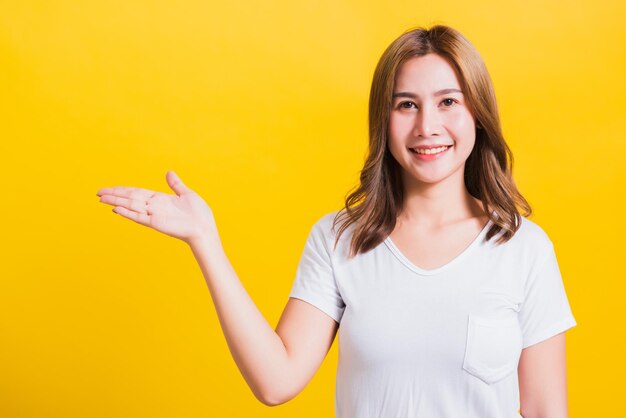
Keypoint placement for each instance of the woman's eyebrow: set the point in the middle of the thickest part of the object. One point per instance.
(437, 93)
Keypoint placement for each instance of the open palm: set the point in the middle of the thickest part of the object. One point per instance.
(183, 215)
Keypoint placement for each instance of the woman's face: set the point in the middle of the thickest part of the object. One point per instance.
(431, 130)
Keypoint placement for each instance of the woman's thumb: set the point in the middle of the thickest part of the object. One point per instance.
(175, 183)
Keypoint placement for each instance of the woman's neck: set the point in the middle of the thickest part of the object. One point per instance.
(439, 204)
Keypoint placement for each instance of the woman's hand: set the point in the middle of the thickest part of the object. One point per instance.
(274, 374)
(183, 215)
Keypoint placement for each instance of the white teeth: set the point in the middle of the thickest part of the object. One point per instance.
(429, 150)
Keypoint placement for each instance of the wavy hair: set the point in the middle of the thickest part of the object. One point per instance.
(374, 205)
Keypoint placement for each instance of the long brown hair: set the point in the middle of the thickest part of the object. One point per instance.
(375, 204)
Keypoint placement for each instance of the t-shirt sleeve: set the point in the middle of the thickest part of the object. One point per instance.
(315, 280)
(545, 311)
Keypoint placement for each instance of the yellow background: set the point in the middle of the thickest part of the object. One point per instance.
(261, 108)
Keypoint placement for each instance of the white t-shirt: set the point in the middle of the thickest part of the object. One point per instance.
(439, 343)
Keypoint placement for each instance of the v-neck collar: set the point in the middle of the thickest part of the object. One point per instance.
(424, 272)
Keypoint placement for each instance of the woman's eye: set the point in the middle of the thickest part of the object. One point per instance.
(448, 102)
(407, 105)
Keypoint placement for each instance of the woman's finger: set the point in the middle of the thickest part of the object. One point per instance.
(175, 183)
(124, 191)
(137, 205)
(140, 218)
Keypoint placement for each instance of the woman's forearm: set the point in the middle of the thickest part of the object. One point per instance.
(256, 348)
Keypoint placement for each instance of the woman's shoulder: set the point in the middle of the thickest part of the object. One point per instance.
(325, 225)
(531, 234)
(326, 219)
(327, 229)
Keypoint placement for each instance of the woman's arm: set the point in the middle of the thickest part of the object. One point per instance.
(275, 364)
(542, 379)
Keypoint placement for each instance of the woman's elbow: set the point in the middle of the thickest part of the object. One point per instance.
(272, 401)
(273, 397)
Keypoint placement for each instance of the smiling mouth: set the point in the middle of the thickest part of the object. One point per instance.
(429, 151)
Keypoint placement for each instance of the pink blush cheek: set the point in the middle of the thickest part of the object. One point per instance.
(399, 128)
(460, 121)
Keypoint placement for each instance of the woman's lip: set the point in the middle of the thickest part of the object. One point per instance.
(428, 157)
(430, 146)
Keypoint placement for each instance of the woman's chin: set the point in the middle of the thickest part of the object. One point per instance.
(431, 179)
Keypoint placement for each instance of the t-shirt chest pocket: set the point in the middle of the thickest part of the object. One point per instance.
(493, 347)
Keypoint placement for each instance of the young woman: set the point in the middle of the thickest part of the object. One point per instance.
(450, 300)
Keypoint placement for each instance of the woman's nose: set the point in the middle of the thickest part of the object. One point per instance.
(427, 122)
